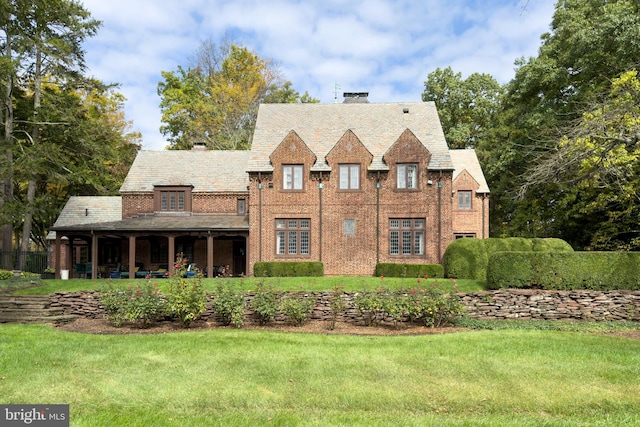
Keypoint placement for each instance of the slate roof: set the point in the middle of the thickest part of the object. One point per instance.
(467, 159)
(218, 222)
(81, 210)
(205, 170)
(377, 125)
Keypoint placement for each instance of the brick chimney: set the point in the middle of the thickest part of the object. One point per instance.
(355, 97)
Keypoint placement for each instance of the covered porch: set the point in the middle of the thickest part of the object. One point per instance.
(148, 245)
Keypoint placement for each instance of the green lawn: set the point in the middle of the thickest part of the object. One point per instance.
(280, 283)
(249, 378)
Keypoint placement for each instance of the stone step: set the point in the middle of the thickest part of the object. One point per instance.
(63, 318)
(31, 309)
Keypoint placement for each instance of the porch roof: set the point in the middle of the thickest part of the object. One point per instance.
(165, 223)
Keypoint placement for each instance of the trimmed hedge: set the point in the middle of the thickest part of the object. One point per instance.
(288, 269)
(409, 270)
(468, 258)
(602, 271)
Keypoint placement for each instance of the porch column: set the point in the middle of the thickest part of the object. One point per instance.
(172, 253)
(246, 257)
(132, 257)
(209, 255)
(94, 256)
(57, 263)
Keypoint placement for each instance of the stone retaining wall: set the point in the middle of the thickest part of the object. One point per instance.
(529, 304)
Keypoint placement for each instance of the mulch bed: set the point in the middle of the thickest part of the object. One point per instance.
(104, 327)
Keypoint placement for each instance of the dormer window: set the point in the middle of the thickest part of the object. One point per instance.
(349, 177)
(292, 177)
(407, 176)
(172, 199)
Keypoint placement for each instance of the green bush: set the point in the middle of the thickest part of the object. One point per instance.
(288, 269)
(141, 306)
(469, 258)
(265, 303)
(431, 306)
(296, 307)
(5, 275)
(370, 305)
(187, 299)
(229, 305)
(565, 271)
(337, 304)
(409, 270)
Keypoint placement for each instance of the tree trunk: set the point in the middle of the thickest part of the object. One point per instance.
(6, 228)
(35, 135)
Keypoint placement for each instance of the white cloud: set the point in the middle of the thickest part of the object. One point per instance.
(386, 47)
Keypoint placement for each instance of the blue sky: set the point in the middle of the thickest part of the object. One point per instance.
(384, 47)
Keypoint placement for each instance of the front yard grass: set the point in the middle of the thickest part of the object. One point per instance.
(280, 283)
(248, 378)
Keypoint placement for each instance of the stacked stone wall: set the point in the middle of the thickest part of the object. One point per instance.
(500, 304)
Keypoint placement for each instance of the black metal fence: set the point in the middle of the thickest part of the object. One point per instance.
(33, 262)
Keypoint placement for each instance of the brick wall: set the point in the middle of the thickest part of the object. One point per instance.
(351, 254)
(474, 221)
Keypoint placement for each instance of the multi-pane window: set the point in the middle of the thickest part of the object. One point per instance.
(293, 236)
(407, 176)
(292, 177)
(172, 200)
(406, 236)
(464, 199)
(242, 206)
(349, 177)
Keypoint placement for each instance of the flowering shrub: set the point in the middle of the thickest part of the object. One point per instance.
(296, 307)
(265, 303)
(187, 299)
(337, 305)
(370, 306)
(432, 306)
(140, 306)
(229, 305)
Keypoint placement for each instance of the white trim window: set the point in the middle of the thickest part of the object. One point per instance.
(349, 177)
(292, 177)
(407, 176)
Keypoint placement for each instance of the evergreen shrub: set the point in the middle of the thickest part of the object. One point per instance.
(603, 271)
(288, 269)
(469, 258)
(409, 270)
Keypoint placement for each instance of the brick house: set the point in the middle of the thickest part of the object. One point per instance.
(350, 185)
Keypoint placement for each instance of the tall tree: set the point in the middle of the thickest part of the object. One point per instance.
(51, 45)
(467, 107)
(215, 100)
(7, 78)
(590, 44)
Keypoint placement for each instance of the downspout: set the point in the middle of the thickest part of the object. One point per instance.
(378, 185)
(483, 215)
(320, 187)
(260, 216)
(440, 185)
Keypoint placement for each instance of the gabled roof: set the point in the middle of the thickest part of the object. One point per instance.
(377, 125)
(466, 159)
(204, 170)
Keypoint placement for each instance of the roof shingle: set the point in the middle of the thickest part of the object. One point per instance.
(377, 125)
